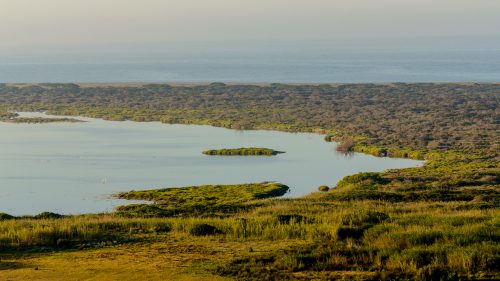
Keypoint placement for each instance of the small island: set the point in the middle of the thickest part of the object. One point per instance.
(243, 151)
(7, 115)
(12, 117)
(40, 120)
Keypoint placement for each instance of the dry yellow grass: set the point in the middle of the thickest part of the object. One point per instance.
(178, 259)
(158, 261)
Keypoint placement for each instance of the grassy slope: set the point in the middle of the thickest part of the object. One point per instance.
(317, 236)
(308, 237)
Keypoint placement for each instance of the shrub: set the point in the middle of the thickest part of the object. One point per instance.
(203, 229)
(323, 188)
(286, 219)
(64, 243)
(361, 177)
(441, 274)
(363, 218)
(162, 228)
(376, 217)
(48, 215)
(350, 232)
(4, 216)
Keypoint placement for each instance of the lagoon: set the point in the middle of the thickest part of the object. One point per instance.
(73, 168)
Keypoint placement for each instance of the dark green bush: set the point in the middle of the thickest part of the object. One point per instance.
(440, 274)
(323, 188)
(203, 229)
(361, 177)
(364, 218)
(350, 232)
(376, 217)
(48, 215)
(287, 219)
(4, 216)
(64, 243)
(161, 228)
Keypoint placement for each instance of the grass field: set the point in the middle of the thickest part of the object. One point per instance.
(315, 237)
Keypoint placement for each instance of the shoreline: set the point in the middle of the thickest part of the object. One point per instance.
(397, 153)
(86, 119)
(260, 84)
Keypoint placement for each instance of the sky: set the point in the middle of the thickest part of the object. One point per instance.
(148, 25)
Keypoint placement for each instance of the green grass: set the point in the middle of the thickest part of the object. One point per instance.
(195, 200)
(243, 151)
(363, 239)
(74, 231)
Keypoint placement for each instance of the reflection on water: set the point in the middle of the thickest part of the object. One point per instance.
(74, 167)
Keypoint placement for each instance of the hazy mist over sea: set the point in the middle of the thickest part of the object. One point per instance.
(292, 63)
(249, 41)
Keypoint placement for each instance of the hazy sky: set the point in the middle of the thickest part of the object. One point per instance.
(95, 24)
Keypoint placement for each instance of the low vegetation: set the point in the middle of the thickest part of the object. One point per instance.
(435, 222)
(40, 120)
(323, 188)
(325, 239)
(206, 199)
(12, 117)
(243, 151)
(5, 115)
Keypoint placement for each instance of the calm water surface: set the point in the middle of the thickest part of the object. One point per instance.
(342, 65)
(74, 167)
